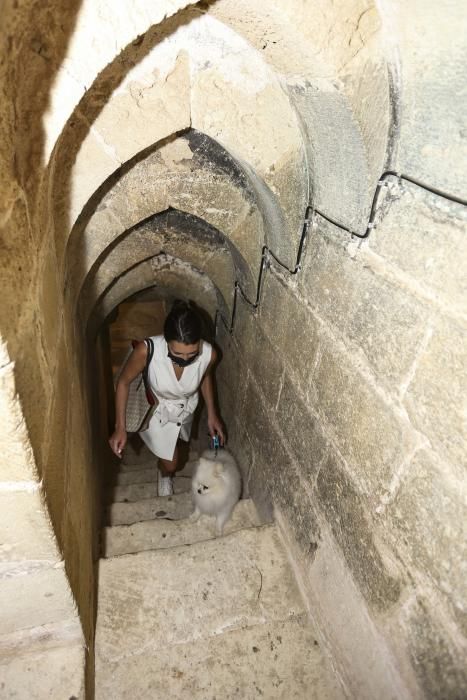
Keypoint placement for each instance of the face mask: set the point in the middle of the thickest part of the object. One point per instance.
(180, 361)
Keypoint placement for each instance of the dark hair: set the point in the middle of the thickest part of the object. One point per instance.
(183, 323)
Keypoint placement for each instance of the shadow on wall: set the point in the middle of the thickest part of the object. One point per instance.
(36, 37)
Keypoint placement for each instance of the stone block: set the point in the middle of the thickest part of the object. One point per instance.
(245, 324)
(235, 581)
(437, 394)
(25, 530)
(296, 504)
(387, 324)
(49, 295)
(368, 432)
(265, 365)
(301, 429)
(170, 507)
(240, 445)
(37, 598)
(428, 519)
(347, 511)
(232, 374)
(289, 180)
(369, 668)
(291, 329)
(328, 275)
(133, 492)
(163, 534)
(33, 385)
(268, 453)
(276, 478)
(424, 236)
(17, 462)
(95, 161)
(438, 663)
(48, 673)
(140, 476)
(259, 426)
(272, 660)
(215, 97)
(432, 137)
(127, 122)
(55, 476)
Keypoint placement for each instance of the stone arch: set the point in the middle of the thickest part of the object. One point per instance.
(83, 148)
(179, 235)
(191, 173)
(173, 276)
(324, 104)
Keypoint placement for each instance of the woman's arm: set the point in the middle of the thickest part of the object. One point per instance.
(207, 390)
(135, 364)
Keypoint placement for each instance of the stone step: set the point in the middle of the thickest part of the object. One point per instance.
(152, 465)
(221, 618)
(139, 492)
(139, 476)
(172, 507)
(132, 459)
(131, 492)
(274, 661)
(161, 534)
(124, 468)
(136, 452)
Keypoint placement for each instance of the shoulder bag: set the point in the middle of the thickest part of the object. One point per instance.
(141, 402)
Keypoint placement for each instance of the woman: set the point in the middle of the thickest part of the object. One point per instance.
(182, 363)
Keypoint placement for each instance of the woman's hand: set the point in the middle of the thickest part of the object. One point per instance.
(216, 427)
(117, 441)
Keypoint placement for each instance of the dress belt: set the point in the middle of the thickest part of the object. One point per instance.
(172, 411)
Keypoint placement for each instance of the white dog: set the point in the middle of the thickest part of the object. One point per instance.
(216, 486)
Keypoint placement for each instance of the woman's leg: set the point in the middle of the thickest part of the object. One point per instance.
(169, 466)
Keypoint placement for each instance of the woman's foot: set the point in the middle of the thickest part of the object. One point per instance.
(165, 485)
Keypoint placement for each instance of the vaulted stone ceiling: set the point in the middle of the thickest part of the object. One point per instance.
(202, 132)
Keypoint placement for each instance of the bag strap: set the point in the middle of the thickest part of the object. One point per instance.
(150, 396)
(150, 346)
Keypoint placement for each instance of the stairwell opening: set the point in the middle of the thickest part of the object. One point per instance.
(209, 150)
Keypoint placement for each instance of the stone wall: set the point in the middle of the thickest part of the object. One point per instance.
(163, 145)
(47, 476)
(350, 422)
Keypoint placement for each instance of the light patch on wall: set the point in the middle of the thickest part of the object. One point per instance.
(102, 30)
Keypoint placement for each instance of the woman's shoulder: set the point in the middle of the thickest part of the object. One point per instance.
(207, 350)
(158, 342)
(156, 339)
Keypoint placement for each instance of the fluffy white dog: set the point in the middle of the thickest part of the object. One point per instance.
(216, 486)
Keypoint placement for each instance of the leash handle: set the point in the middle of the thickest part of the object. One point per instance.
(215, 444)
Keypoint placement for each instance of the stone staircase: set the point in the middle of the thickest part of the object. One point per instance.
(183, 614)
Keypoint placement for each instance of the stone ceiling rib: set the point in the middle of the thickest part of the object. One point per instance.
(191, 174)
(173, 278)
(174, 234)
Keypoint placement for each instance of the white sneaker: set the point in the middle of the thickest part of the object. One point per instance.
(165, 485)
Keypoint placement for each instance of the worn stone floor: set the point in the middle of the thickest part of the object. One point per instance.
(183, 614)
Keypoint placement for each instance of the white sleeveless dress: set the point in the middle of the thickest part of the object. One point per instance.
(177, 398)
